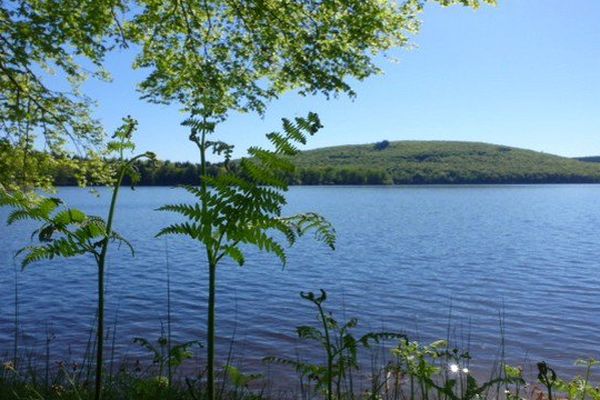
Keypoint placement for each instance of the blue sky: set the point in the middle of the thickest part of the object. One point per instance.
(525, 73)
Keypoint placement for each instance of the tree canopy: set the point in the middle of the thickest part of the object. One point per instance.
(209, 56)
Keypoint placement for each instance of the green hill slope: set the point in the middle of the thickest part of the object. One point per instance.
(424, 162)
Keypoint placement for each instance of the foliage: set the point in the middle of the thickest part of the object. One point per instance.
(340, 346)
(65, 232)
(580, 387)
(69, 232)
(211, 56)
(384, 144)
(22, 169)
(164, 356)
(244, 208)
(427, 162)
(42, 38)
(219, 55)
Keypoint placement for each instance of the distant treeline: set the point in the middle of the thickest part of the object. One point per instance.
(416, 176)
(593, 159)
(383, 163)
(157, 173)
(166, 173)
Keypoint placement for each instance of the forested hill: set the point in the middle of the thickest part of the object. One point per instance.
(402, 162)
(425, 162)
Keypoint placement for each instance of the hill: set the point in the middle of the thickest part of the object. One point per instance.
(437, 162)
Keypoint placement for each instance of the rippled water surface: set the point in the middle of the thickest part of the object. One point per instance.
(407, 257)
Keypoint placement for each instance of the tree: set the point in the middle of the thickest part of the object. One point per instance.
(217, 55)
(39, 39)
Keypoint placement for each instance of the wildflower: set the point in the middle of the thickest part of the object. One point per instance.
(454, 368)
(465, 370)
(9, 366)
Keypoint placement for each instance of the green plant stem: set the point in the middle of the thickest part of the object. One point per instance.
(170, 370)
(587, 379)
(329, 353)
(101, 260)
(16, 338)
(212, 281)
(211, 330)
(101, 269)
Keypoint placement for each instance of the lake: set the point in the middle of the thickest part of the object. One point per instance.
(417, 259)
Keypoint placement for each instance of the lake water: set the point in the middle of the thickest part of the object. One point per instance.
(407, 257)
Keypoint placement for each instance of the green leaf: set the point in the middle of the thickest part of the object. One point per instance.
(69, 216)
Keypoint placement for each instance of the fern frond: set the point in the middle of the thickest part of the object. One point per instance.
(303, 223)
(235, 254)
(46, 206)
(293, 132)
(39, 210)
(245, 207)
(262, 176)
(282, 144)
(61, 247)
(116, 237)
(379, 336)
(191, 230)
(69, 216)
(193, 212)
(19, 215)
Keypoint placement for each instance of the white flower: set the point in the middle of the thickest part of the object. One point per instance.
(453, 368)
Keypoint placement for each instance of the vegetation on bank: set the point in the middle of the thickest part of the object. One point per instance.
(373, 366)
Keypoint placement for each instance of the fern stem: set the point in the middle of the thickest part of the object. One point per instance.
(100, 330)
(211, 330)
(16, 321)
(329, 353)
(101, 271)
(213, 259)
(170, 371)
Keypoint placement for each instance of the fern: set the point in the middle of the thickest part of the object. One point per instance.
(65, 232)
(68, 232)
(233, 211)
(245, 207)
(340, 347)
